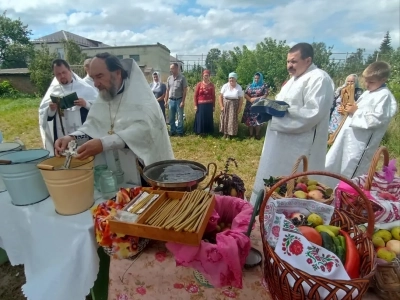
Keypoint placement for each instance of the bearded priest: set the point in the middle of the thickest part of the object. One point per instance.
(124, 124)
(55, 122)
(304, 128)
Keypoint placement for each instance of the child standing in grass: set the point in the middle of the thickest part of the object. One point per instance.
(365, 126)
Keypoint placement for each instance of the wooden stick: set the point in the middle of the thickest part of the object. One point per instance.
(183, 215)
(165, 214)
(157, 212)
(195, 227)
(192, 217)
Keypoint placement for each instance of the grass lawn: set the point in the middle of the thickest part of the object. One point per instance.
(19, 117)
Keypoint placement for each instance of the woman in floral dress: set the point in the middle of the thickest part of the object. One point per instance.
(336, 111)
(253, 93)
(204, 103)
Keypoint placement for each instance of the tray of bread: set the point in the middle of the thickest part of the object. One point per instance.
(169, 216)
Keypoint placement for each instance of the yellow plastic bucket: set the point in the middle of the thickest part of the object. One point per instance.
(72, 190)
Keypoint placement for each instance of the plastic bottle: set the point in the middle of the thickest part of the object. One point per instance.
(1, 137)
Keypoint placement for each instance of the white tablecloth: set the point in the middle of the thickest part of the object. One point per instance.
(59, 253)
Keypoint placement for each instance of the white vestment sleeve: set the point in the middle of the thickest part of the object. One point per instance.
(372, 116)
(112, 142)
(88, 105)
(317, 102)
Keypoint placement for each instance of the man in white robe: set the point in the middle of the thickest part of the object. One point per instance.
(126, 117)
(56, 123)
(304, 128)
(87, 78)
(362, 132)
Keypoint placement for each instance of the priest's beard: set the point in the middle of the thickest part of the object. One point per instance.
(111, 92)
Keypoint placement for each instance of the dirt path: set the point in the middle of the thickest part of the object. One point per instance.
(11, 280)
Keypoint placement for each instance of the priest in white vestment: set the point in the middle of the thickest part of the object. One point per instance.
(56, 123)
(362, 132)
(125, 121)
(304, 128)
(87, 78)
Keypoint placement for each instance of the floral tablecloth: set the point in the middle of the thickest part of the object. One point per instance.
(154, 275)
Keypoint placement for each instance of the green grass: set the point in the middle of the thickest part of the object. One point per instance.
(19, 117)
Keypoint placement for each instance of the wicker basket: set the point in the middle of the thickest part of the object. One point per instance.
(277, 272)
(291, 183)
(356, 206)
(386, 281)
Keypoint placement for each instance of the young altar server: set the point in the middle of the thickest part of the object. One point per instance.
(125, 122)
(304, 128)
(365, 126)
(55, 123)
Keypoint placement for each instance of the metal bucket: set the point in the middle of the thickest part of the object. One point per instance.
(6, 148)
(22, 179)
(72, 190)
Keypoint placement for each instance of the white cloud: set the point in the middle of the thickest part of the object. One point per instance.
(187, 28)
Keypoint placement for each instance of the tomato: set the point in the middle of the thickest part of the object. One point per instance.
(352, 261)
(311, 234)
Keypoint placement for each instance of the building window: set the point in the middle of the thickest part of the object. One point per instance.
(136, 57)
(60, 53)
(120, 56)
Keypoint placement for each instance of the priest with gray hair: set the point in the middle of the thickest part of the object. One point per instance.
(87, 78)
(124, 124)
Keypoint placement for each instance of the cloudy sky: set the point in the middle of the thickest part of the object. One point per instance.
(195, 26)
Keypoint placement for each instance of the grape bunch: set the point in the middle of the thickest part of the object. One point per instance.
(281, 190)
(230, 184)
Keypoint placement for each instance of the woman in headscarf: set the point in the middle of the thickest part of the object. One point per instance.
(159, 90)
(230, 101)
(253, 93)
(204, 103)
(337, 110)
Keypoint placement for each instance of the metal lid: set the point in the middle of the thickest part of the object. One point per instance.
(5, 147)
(253, 259)
(25, 156)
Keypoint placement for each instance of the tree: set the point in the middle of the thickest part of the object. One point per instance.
(355, 63)
(73, 53)
(271, 61)
(40, 68)
(386, 49)
(372, 57)
(212, 59)
(15, 46)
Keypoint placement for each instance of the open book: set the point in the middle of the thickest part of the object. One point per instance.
(66, 101)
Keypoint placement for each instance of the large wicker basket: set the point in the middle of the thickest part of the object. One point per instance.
(291, 183)
(356, 206)
(277, 272)
(386, 281)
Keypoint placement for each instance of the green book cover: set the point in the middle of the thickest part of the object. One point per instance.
(66, 101)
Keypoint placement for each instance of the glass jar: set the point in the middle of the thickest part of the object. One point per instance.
(120, 177)
(108, 184)
(97, 173)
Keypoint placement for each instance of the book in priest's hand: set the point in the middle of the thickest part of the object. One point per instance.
(65, 101)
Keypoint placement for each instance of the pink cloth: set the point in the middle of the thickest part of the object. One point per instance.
(220, 263)
(384, 194)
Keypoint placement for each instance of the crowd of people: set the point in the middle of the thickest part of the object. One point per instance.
(118, 110)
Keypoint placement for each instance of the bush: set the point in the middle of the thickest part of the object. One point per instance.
(7, 90)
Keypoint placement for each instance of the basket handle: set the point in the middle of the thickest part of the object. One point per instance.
(290, 185)
(371, 216)
(382, 151)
